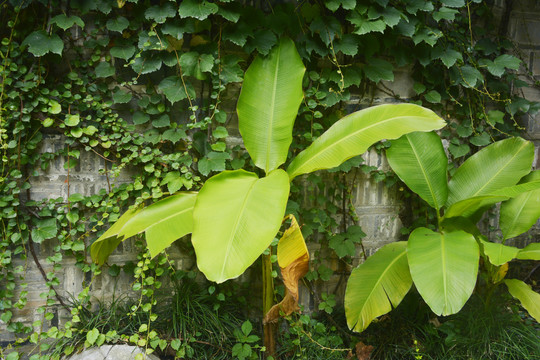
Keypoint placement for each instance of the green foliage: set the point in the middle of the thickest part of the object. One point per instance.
(246, 211)
(40, 43)
(268, 105)
(520, 213)
(377, 286)
(344, 244)
(328, 302)
(201, 318)
(355, 133)
(187, 321)
(145, 88)
(443, 267)
(315, 337)
(246, 342)
(444, 263)
(476, 332)
(415, 152)
(163, 222)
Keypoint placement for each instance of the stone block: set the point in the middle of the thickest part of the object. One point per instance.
(371, 193)
(86, 178)
(380, 229)
(402, 86)
(358, 103)
(105, 288)
(524, 26)
(526, 6)
(73, 280)
(535, 62)
(531, 93)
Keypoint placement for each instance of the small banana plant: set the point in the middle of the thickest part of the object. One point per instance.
(444, 264)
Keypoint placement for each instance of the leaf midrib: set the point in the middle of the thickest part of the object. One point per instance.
(428, 181)
(233, 230)
(501, 169)
(379, 280)
(310, 159)
(272, 113)
(158, 222)
(444, 273)
(533, 251)
(518, 213)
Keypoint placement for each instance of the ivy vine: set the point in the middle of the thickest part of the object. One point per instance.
(149, 88)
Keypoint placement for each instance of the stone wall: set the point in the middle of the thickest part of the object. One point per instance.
(524, 30)
(376, 205)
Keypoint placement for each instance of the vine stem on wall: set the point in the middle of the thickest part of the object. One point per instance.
(36, 260)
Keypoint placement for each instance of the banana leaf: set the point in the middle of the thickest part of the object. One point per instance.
(236, 217)
(353, 134)
(268, 104)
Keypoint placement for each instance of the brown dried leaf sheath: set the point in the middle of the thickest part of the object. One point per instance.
(292, 243)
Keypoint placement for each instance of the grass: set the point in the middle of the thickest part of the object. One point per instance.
(202, 321)
(104, 317)
(205, 324)
(501, 331)
(186, 311)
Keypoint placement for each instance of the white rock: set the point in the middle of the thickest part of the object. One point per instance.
(112, 352)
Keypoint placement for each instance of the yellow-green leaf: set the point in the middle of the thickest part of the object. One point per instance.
(377, 285)
(236, 217)
(443, 267)
(268, 105)
(529, 299)
(353, 134)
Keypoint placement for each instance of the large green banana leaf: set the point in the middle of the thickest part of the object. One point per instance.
(236, 217)
(530, 252)
(106, 243)
(529, 299)
(517, 215)
(268, 105)
(353, 134)
(498, 165)
(527, 184)
(498, 254)
(377, 285)
(474, 207)
(471, 207)
(163, 222)
(420, 162)
(443, 267)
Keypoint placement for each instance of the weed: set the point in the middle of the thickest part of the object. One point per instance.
(315, 337)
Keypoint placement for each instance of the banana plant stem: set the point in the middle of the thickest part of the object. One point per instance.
(269, 329)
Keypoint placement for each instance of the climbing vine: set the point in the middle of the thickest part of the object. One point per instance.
(149, 88)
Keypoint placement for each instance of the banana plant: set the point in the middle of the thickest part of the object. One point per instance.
(236, 214)
(443, 264)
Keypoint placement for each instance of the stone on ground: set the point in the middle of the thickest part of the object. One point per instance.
(112, 352)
